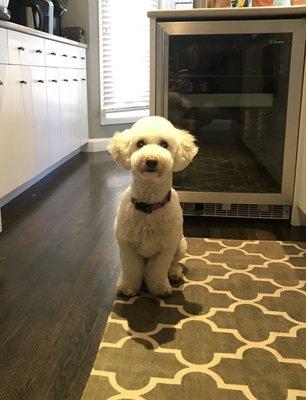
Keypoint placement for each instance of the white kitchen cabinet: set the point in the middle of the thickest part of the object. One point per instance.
(54, 114)
(18, 142)
(43, 106)
(5, 126)
(40, 118)
(3, 46)
(83, 108)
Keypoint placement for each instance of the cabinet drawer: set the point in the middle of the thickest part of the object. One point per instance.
(3, 47)
(25, 49)
(64, 55)
(82, 58)
(53, 53)
(71, 56)
(74, 57)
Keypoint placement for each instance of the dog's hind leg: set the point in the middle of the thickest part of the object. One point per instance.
(175, 272)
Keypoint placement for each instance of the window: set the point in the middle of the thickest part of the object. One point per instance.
(177, 4)
(125, 59)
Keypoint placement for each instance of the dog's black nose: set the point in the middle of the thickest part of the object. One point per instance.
(151, 163)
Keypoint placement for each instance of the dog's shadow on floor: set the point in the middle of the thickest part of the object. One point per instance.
(150, 316)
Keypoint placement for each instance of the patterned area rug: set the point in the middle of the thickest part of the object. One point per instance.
(234, 329)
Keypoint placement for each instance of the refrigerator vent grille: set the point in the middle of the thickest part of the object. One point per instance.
(236, 210)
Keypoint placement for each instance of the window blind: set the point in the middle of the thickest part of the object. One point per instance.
(125, 54)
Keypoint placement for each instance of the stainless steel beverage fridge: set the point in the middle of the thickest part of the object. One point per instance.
(236, 85)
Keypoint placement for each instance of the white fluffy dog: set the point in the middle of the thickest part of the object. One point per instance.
(149, 222)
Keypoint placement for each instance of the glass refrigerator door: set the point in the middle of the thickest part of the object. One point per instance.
(237, 89)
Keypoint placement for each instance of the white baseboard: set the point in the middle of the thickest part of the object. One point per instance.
(94, 145)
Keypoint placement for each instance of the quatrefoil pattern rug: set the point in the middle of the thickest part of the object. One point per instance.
(234, 329)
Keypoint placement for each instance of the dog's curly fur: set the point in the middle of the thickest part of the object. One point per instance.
(151, 245)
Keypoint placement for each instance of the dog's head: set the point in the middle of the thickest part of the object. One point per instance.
(153, 147)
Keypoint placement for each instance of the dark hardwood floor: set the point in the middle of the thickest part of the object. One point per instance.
(58, 269)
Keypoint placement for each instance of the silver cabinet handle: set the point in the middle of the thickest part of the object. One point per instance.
(24, 82)
(64, 55)
(74, 57)
(82, 58)
(20, 48)
(39, 51)
(83, 79)
(75, 80)
(65, 80)
(40, 81)
(52, 53)
(1, 83)
(54, 80)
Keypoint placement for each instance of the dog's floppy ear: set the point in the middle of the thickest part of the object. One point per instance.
(119, 148)
(186, 150)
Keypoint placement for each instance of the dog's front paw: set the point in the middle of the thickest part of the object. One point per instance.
(126, 290)
(160, 290)
(175, 272)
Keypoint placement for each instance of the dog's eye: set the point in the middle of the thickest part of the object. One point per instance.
(164, 144)
(140, 143)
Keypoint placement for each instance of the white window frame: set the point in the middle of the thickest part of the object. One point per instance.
(124, 117)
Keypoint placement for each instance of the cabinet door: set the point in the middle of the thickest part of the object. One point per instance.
(3, 46)
(83, 107)
(17, 147)
(66, 130)
(54, 114)
(75, 108)
(5, 130)
(40, 118)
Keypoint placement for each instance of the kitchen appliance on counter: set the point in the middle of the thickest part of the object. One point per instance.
(36, 14)
(60, 7)
(4, 12)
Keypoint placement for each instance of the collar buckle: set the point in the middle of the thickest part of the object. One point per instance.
(144, 207)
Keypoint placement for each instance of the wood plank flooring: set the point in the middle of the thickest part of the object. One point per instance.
(58, 269)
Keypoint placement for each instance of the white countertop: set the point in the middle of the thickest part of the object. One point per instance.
(230, 13)
(35, 32)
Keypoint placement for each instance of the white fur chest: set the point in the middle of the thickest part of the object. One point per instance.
(149, 233)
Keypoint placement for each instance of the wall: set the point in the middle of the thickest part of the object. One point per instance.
(299, 204)
(85, 13)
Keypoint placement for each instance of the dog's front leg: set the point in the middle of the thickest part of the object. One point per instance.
(156, 274)
(132, 265)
